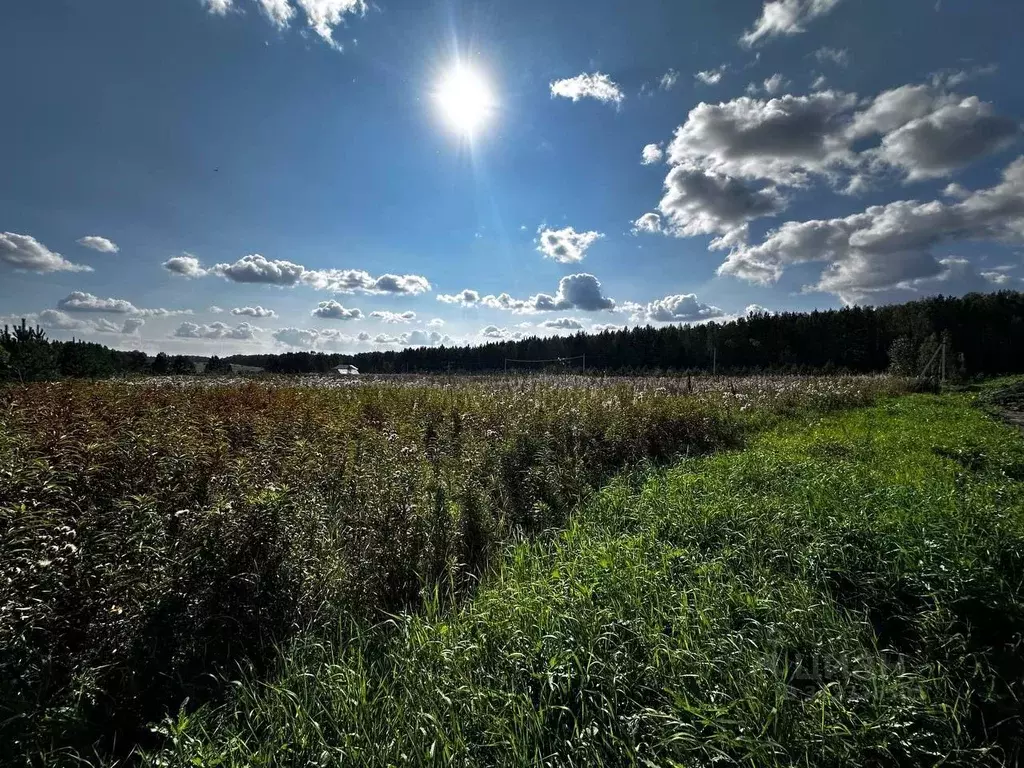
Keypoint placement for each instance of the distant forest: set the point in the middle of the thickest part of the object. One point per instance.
(983, 334)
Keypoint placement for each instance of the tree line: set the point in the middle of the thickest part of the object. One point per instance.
(981, 334)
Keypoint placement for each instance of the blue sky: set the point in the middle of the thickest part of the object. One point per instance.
(289, 163)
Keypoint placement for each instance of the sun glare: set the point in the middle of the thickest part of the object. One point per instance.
(464, 99)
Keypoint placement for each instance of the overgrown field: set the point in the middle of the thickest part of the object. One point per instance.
(154, 539)
(844, 592)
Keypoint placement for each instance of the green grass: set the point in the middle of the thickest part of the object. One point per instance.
(843, 592)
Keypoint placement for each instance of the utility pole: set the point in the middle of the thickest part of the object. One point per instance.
(714, 360)
(584, 362)
(943, 362)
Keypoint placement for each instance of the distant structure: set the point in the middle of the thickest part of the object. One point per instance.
(346, 370)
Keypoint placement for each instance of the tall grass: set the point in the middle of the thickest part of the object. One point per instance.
(842, 593)
(152, 538)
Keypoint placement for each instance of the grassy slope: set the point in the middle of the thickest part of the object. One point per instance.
(843, 592)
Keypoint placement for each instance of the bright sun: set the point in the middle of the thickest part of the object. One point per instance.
(464, 99)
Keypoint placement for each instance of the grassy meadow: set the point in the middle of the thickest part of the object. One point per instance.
(510, 571)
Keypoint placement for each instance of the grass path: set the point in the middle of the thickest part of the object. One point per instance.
(842, 592)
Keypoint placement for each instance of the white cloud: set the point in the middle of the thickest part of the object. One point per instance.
(53, 319)
(566, 246)
(951, 78)
(563, 323)
(602, 327)
(951, 137)
(185, 265)
(682, 308)
(278, 12)
(353, 280)
(97, 243)
(700, 202)
(886, 246)
(324, 15)
(256, 268)
(652, 154)
(588, 86)
(218, 7)
(436, 322)
(253, 312)
(217, 330)
(132, 325)
(467, 298)
(775, 83)
(756, 309)
(819, 83)
(24, 252)
(215, 309)
(393, 317)
(335, 311)
(838, 56)
(500, 334)
(783, 140)
(669, 80)
(785, 17)
(649, 222)
(711, 76)
(582, 292)
(79, 301)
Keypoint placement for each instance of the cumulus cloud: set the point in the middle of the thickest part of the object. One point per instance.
(649, 222)
(566, 246)
(217, 330)
(785, 17)
(840, 57)
(185, 265)
(335, 311)
(132, 325)
(79, 301)
(253, 312)
(563, 324)
(97, 243)
(668, 80)
(582, 292)
(393, 317)
(436, 322)
(756, 309)
(256, 268)
(698, 202)
(602, 327)
(61, 321)
(218, 7)
(682, 308)
(466, 298)
(652, 154)
(500, 334)
(886, 246)
(214, 309)
(951, 137)
(771, 85)
(589, 86)
(24, 252)
(711, 76)
(278, 12)
(322, 16)
(782, 140)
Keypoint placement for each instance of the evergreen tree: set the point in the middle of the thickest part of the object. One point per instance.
(161, 364)
(30, 354)
(903, 357)
(182, 366)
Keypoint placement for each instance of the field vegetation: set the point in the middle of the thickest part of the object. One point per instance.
(387, 571)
